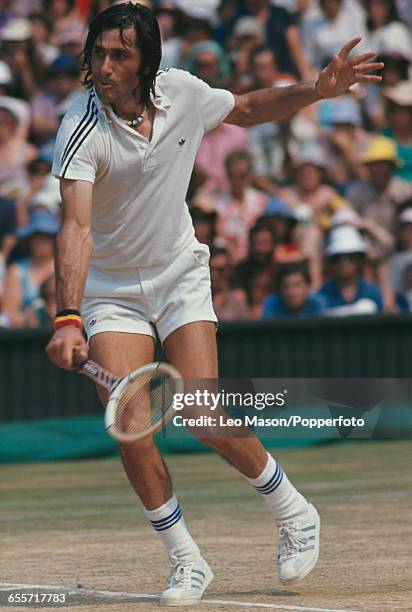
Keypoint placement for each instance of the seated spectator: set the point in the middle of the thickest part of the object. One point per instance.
(294, 299)
(395, 70)
(18, 107)
(340, 21)
(43, 310)
(279, 218)
(402, 258)
(273, 143)
(169, 19)
(380, 245)
(25, 277)
(310, 188)
(214, 148)
(404, 297)
(386, 32)
(67, 24)
(347, 292)
(248, 34)
(61, 90)
(15, 154)
(19, 52)
(204, 223)
(345, 139)
(379, 195)
(254, 275)
(239, 207)
(41, 29)
(264, 70)
(399, 116)
(283, 36)
(268, 140)
(208, 62)
(229, 305)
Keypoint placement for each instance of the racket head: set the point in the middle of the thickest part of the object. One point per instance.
(142, 402)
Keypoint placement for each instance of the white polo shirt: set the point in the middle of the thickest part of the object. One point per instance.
(139, 214)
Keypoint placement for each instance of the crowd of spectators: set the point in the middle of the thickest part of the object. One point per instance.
(308, 216)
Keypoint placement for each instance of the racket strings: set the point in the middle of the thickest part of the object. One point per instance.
(143, 403)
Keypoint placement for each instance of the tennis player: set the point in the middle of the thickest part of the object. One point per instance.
(128, 259)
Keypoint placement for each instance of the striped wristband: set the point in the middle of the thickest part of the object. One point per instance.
(68, 317)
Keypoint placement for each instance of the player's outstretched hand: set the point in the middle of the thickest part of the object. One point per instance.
(67, 348)
(344, 71)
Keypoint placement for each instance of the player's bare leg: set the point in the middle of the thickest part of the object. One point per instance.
(192, 350)
(120, 353)
(147, 472)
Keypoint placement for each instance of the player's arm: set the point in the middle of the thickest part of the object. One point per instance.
(73, 249)
(276, 103)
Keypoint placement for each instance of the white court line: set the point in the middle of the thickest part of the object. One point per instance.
(9, 586)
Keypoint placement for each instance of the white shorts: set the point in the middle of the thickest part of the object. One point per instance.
(161, 297)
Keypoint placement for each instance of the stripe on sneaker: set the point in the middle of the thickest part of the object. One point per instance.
(306, 548)
(273, 483)
(168, 521)
(308, 528)
(198, 572)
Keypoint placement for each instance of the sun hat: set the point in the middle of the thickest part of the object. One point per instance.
(311, 153)
(6, 76)
(278, 208)
(16, 30)
(249, 26)
(40, 222)
(345, 110)
(345, 239)
(345, 216)
(401, 93)
(406, 216)
(381, 149)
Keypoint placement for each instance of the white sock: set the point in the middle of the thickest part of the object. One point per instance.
(168, 522)
(283, 500)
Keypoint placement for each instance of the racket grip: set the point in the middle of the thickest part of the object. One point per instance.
(95, 372)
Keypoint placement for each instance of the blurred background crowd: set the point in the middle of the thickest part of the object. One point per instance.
(311, 216)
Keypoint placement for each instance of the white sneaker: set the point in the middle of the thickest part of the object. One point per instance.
(188, 581)
(298, 550)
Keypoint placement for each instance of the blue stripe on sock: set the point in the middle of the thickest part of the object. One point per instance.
(173, 521)
(274, 485)
(268, 486)
(160, 522)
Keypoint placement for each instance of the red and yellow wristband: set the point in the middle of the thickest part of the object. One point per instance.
(68, 317)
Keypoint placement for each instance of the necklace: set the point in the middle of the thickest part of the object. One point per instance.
(136, 120)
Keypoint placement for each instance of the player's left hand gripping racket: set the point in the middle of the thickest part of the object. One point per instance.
(139, 404)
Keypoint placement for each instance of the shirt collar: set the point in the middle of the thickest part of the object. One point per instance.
(160, 101)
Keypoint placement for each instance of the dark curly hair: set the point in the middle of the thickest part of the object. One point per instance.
(121, 17)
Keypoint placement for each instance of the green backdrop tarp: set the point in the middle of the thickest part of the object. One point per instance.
(86, 438)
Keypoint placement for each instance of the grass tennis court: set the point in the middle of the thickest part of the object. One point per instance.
(78, 523)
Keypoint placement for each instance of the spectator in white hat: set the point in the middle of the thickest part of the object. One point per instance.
(347, 292)
(19, 53)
